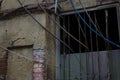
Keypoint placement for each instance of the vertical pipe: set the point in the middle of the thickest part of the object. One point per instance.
(58, 55)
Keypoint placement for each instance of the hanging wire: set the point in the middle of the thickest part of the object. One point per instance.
(17, 54)
(43, 26)
(94, 24)
(98, 29)
(80, 27)
(77, 57)
(46, 29)
(97, 33)
(63, 27)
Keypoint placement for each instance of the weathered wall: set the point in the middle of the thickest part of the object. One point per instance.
(3, 64)
(11, 4)
(51, 48)
(22, 31)
(65, 5)
(20, 68)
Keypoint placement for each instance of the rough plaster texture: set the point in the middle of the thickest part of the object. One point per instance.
(10, 4)
(51, 48)
(17, 32)
(3, 64)
(23, 30)
(20, 68)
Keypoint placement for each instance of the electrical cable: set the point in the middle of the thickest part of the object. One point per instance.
(90, 17)
(19, 55)
(60, 27)
(77, 12)
(95, 25)
(46, 29)
(63, 28)
(43, 26)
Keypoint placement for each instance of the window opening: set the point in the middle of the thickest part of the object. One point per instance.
(106, 21)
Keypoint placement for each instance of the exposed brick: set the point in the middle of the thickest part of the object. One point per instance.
(35, 65)
(3, 66)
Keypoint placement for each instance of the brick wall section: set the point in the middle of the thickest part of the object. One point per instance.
(3, 67)
(39, 69)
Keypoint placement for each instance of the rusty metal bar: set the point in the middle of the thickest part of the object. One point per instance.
(91, 44)
(96, 29)
(106, 27)
(79, 34)
(84, 27)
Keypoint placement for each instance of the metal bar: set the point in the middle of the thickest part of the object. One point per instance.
(107, 45)
(64, 70)
(69, 61)
(91, 44)
(106, 27)
(84, 29)
(58, 55)
(118, 19)
(98, 7)
(79, 33)
(96, 35)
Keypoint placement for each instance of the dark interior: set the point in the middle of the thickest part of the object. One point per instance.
(108, 26)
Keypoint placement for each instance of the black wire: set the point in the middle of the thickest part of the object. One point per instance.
(43, 26)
